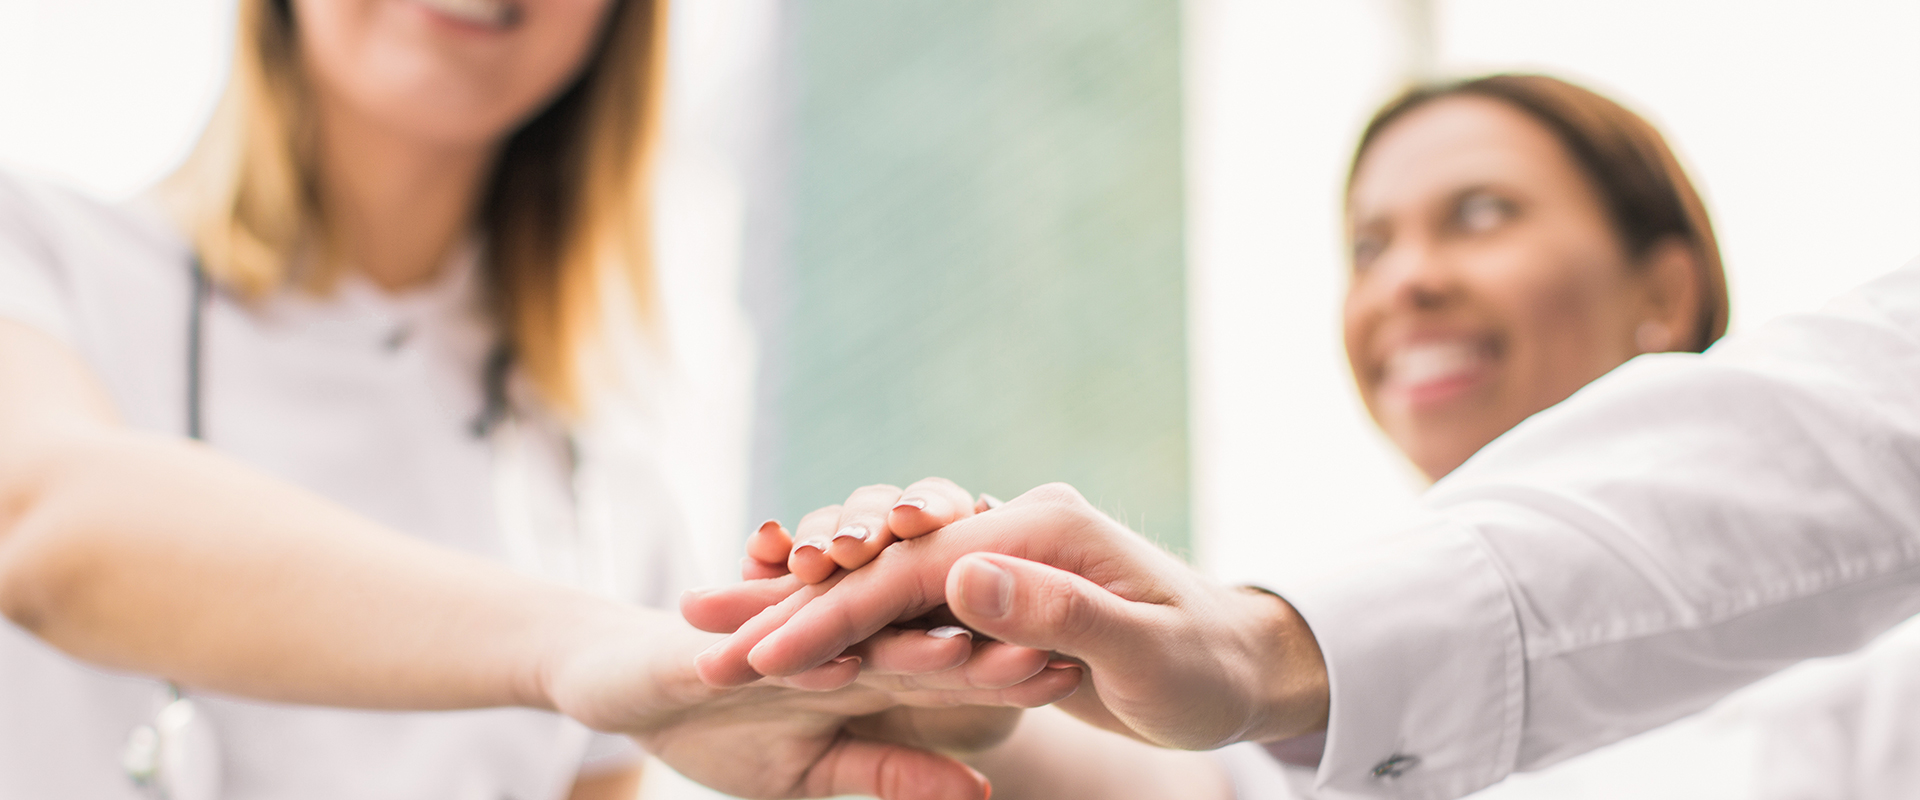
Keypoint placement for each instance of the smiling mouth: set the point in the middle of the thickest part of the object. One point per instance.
(500, 14)
(1431, 371)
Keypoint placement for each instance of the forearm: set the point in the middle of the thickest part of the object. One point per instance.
(1056, 757)
(158, 556)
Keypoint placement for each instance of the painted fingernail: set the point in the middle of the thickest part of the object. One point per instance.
(916, 503)
(989, 589)
(851, 532)
(950, 631)
(991, 501)
(816, 544)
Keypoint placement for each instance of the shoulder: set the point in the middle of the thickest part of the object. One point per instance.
(43, 216)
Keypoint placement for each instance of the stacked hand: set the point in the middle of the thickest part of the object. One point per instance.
(825, 731)
(1170, 658)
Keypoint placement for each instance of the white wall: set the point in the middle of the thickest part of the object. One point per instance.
(107, 94)
(1798, 121)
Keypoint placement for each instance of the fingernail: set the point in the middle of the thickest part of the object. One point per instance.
(851, 532)
(949, 631)
(1061, 664)
(816, 544)
(989, 589)
(847, 659)
(991, 501)
(770, 526)
(916, 503)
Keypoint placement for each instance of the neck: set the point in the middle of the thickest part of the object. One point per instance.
(397, 205)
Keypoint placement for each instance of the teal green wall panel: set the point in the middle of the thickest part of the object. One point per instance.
(986, 261)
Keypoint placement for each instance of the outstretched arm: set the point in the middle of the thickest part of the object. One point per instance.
(158, 555)
(1681, 527)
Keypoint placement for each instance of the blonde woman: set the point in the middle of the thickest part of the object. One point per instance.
(383, 293)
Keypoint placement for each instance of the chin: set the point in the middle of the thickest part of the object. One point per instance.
(1437, 456)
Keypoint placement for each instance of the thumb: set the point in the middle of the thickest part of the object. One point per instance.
(1034, 605)
(892, 772)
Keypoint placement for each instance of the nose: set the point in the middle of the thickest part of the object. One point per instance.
(1415, 276)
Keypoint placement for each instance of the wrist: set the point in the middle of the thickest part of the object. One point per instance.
(1288, 682)
(565, 638)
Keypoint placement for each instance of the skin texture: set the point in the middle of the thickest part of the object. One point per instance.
(1481, 248)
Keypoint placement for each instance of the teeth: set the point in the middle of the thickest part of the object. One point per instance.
(1428, 361)
(497, 13)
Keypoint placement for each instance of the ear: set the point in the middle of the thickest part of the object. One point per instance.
(1670, 275)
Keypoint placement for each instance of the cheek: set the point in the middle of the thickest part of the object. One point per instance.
(1564, 314)
(1359, 317)
(381, 59)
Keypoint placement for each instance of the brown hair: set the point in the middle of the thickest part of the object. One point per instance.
(1647, 194)
(566, 215)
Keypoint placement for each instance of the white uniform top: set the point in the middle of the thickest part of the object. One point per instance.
(363, 397)
(1681, 527)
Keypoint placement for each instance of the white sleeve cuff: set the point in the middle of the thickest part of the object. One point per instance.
(1427, 700)
(609, 752)
(1257, 777)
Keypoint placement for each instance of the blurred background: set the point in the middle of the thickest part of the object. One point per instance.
(1014, 241)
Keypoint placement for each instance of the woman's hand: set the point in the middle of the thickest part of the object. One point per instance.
(1172, 658)
(885, 657)
(815, 734)
(848, 536)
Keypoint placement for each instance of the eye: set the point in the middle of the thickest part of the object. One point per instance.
(1480, 212)
(1366, 248)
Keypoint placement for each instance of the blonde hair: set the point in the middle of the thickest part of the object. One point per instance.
(566, 214)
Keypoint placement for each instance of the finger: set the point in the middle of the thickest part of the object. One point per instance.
(770, 544)
(725, 609)
(988, 665)
(1026, 603)
(839, 673)
(928, 505)
(894, 651)
(892, 772)
(809, 558)
(862, 532)
(751, 570)
(1051, 524)
(916, 651)
(726, 663)
(1062, 684)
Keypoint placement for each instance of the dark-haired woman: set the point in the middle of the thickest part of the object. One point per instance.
(1513, 238)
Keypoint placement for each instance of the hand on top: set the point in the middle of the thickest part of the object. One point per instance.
(1172, 658)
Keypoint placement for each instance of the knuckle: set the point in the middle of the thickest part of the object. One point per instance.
(1057, 493)
(1068, 610)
